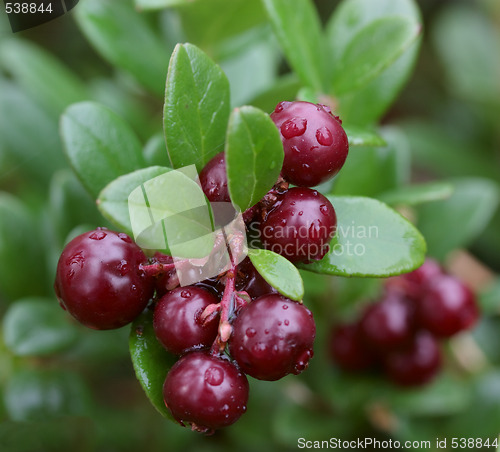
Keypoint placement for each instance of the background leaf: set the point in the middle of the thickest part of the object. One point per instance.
(125, 39)
(372, 240)
(99, 144)
(196, 107)
(254, 156)
(462, 217)
(366, 105)
(279, 272)
(299, 33)
(151, 361)
(113, 199)
(37, 326)
(412, 195)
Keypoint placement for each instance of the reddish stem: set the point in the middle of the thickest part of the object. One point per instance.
(156, 269)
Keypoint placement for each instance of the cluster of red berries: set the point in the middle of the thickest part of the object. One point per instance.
(400, 333)
(297, 222)
(233, 325)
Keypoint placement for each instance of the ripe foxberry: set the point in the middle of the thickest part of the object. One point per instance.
(301, 225)
(205, 391)
(272, 337)
(314, 142)
(348, 350)
(213, 179)
(99, 282)
(250, 280)
(177, 320)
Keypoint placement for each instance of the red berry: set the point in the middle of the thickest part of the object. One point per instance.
(387, 324)
(213, 179)
(272, 337)
(250, 280)
(98, 280)
(447, 307)
(301, 225)
(314, 142)
(177, 320)
(416, 364)
(205, 391)
(348, 350)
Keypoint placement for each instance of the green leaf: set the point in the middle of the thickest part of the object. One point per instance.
(457, 221)
(99, 144)
(359, 136)
(125, 39)
(196, 108)
(254, 156)
(373, 49)
(150, 360)
(365, 105)
(37, 326)
(29, 134)
(155, 151)
(20, 251)
(38, 72)
(279, 272)
(369, 171)
(298, 29)
(113, 199)
(372, 241)
(35, 395)
(412, 195)
(158, 4)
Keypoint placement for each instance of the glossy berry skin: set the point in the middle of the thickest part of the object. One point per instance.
(249, 280)
(387, 325)
(272, 337)
(314, 142)
(177, 320)
(348, 351)
(414, 284)
(98, 280)
(205, 391)
(447, 307)
(301, 225)
(213, 179)
(417, 364)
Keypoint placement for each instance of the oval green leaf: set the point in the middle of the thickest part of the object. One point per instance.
(150, 360)
(99, 144)
(373, 49)
(125, 39)
(359, 136)
(298, 29)
(254, 156)
(37, 326)
(412, 195)
(113, 199)
(372, 240)
(279, 272)
(196, 109)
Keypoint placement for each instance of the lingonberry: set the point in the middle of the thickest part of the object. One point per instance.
(177, 320)
(447, 307)
(314, 142)
(301, 225)
(414, 284)
(417, 364)
(213, 179)
(205, 391)
(272, 337)
(249, 280)
(99, 282)
(387, 324)
(348, 350)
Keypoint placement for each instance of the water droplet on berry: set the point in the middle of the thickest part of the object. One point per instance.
(285, 306)
(294, 127)
(185, 294)
(295, 149)
(323, 208)
(214, 376)
(259, 349)
(124, 267)
(301, 213)
(125, 237)
(287, 322)
(266, 331)
(324, 136)
(250, 332)
(305, 166)
(98, 235)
